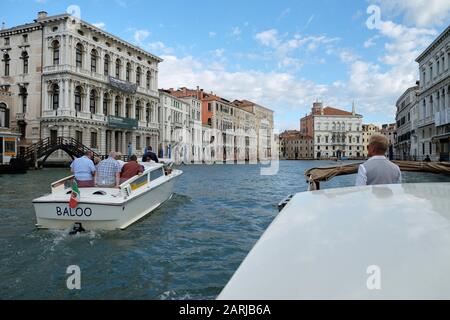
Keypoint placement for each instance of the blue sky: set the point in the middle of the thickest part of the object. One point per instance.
(282, 54)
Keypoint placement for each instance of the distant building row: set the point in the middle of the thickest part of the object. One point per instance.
(63, 77)
(330, 133)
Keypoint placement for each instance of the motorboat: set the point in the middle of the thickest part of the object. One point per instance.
(106, 208)
(363, 243)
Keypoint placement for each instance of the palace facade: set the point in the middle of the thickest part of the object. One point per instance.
(62, 76)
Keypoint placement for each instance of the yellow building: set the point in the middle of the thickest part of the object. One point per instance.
(368, 131)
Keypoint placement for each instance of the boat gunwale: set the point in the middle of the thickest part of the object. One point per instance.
(125, 200)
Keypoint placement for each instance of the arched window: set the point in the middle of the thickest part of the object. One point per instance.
(148, 79)
(6, 61)
(117, 106)
(93, 102)
(25, 62)
(24, 94)
(128, 72)
(55, 97)
(78, 98)
(106, 66)
(105, 104)
(118, 67)
(79, 56)
(138, 76)
(94, 58)
(55, 48)
(138, 110)
(4, 116)
(127, 108)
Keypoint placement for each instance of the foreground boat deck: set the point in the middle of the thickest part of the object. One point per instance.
(330, 244)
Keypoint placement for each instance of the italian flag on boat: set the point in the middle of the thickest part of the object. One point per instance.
(74, 196)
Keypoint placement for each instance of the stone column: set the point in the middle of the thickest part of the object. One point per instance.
(101, 100)
(124, 105)
(66, 94)
(155, 81)
(87, 94)
(46, 92)
(112, 103)
(133, 108)
(100, 64)
(72, 96)
(86, 56)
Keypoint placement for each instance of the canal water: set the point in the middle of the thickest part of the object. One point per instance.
(187, 249)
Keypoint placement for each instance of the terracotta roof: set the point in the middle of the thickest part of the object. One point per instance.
(293, 135)
(329, 111)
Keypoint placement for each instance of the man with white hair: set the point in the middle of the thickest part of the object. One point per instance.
(108, 172)
(378, 169)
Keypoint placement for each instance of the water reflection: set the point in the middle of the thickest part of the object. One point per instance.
(189, 248)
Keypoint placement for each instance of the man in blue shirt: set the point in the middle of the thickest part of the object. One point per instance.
(84, 170)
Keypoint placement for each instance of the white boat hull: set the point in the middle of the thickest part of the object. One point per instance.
(102, 216)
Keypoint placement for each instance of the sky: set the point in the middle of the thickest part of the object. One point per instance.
(282, 54)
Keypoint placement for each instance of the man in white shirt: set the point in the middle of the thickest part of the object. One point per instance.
(378, 169)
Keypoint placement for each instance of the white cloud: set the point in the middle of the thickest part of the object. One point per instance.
(236, 32)
(212, 34)
(417, 12)
(140, 36)
(284, 48)
(100, 25)
(347, 56)
(268, 38)
(370, 42)
(280, 91)
(159, 47)
(218, 53)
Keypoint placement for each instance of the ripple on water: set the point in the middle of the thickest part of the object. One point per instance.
(187, 249)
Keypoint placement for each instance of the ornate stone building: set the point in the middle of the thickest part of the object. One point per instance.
(405, 144)
(434, 99)
(337, 133)
(79, 81)
(239, 130)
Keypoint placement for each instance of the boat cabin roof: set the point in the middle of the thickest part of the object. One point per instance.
(372, 242)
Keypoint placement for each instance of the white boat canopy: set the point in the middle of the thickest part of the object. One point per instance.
(372, 242)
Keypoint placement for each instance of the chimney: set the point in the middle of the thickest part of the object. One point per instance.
(42, 15)
(353, 109)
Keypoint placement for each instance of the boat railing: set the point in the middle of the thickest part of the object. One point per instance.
(137, 182)
(62, 185)
(316, 175)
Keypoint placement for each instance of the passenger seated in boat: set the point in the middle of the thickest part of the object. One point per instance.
(378, 169)
(131, 169)
(108, 172)
(119, 159)
(97, 160)
(84, 170)
(150, 155)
